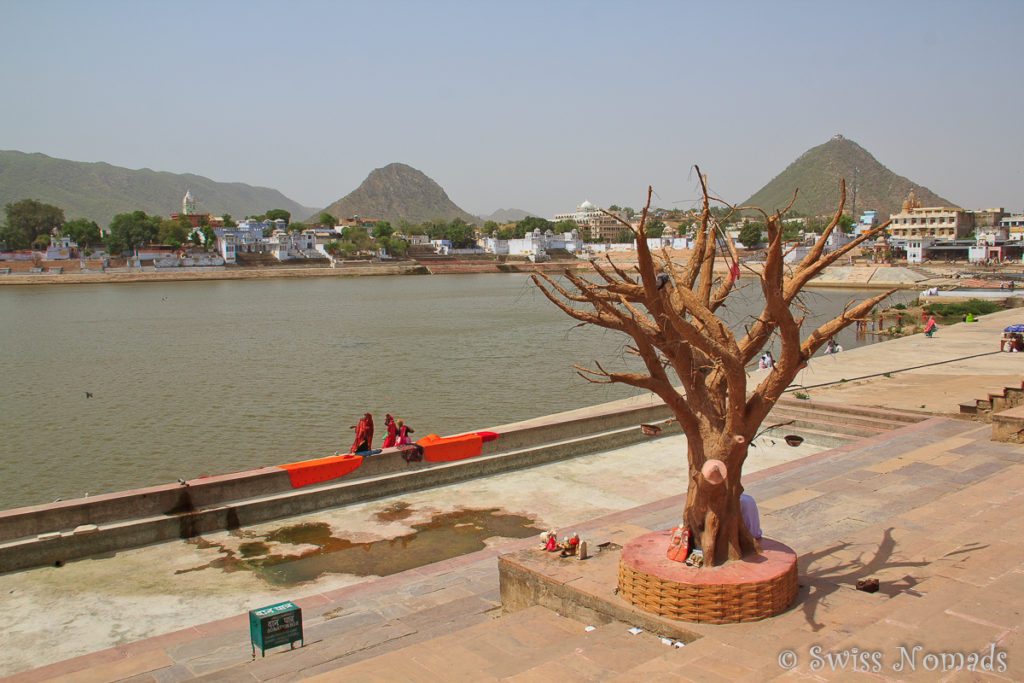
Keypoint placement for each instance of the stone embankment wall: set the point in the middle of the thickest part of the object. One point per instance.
(66, 530)
(68, 272)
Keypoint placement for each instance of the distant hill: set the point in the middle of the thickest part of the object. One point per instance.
(99, 191)
(816, 174)
(502, 216)
(399, 192)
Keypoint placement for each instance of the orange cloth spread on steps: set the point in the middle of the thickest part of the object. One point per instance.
(323, 469)
(448, 448)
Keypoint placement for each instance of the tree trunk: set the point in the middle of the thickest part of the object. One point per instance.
(712, 512)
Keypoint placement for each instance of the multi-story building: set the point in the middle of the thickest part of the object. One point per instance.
(1014, 223)
(593, 222)
(941, 222)
(938, 222)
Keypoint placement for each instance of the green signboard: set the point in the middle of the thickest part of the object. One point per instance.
(279, 624)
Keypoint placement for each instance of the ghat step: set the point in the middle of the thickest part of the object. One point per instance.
(531, 644)
(833, 425)
(853, 411)
(1009, 397)
(851, 425)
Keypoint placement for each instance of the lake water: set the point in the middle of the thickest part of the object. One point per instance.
(197, 378)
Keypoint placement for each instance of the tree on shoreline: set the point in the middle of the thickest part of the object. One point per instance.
(695, 363)
(27, 220)
(129, 231)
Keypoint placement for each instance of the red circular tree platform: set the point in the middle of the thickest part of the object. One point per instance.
(753, 588)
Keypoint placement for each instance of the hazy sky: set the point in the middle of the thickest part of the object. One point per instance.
(531, 105)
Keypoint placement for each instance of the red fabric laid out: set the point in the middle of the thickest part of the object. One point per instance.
(448, 448)
(323, 469)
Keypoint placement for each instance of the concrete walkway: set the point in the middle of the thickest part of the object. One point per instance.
(930, 510)
(109, 600)
(934, 375)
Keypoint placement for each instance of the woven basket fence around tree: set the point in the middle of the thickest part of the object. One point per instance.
(698, 597)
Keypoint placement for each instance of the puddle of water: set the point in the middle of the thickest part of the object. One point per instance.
(253, 549)
(443, 536)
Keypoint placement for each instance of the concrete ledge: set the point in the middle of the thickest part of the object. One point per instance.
(583, 590)
(49, 534)
(1007, 425)
(174, 499)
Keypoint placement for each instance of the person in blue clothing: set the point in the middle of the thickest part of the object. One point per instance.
(748, 510)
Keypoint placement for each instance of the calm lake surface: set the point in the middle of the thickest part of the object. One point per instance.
(197, 378)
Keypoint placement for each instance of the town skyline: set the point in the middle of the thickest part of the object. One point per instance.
(528, 107)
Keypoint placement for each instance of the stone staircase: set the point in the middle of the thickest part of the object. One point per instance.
(923, 272)
(982, 409)
(531, 644)
(859, 275)
(1005, 410)
(831, 424)
(426, 253)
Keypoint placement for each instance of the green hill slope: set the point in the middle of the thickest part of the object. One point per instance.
(98, 191)
(399, 192)
(816, 174)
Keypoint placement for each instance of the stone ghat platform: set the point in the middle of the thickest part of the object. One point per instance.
(932, 511)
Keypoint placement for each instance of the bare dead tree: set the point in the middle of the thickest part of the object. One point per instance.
(694, 362)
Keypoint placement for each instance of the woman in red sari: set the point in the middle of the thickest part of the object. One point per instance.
(391, 437)
(364, 434)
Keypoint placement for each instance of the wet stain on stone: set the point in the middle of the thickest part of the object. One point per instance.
(443, 536)
(312, 534)
(253, 549)
(394, 512)
(201, 543)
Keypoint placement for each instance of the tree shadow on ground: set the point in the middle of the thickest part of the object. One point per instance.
(825, 579)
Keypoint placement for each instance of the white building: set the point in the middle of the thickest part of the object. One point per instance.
(795, 254)
(916, 248)
(837, 238)
(226, 245)
(60, 248)
(535, 245)
(594, 222)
